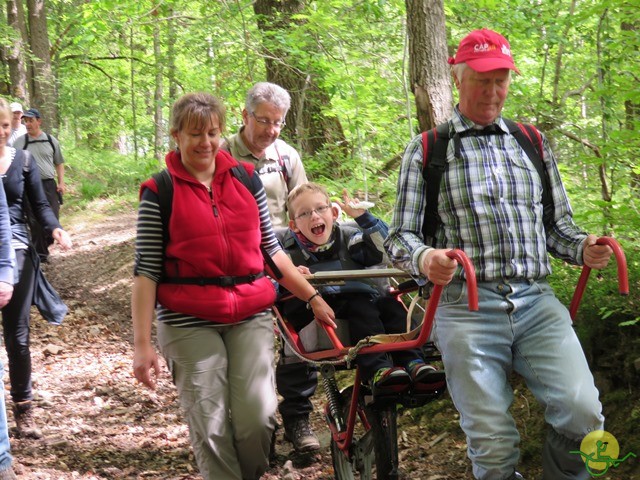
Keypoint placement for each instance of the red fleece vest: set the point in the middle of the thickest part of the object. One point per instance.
(211, 236)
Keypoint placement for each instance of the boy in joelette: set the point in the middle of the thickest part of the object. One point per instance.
(315, 242)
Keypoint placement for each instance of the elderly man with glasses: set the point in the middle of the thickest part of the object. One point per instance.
(257, 142)
(280, 170)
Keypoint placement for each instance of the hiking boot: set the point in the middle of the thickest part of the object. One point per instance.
(25, 423)
(516, 476)
(425, 378)
(298, 431)
(8, 474)
(390, 380)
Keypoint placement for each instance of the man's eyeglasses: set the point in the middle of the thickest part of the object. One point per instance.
(307, 215)
(266, 123)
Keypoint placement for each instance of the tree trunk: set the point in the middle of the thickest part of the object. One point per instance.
(632, 116)
(132, 79)
(429, 71)
(158, 145)
(42, 81)
(14, 55)
(308, 127)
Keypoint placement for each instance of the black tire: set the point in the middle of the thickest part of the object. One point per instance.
(384, 423)
(359, 463)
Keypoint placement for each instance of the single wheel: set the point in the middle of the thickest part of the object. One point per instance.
(384, 426)
(360, 459)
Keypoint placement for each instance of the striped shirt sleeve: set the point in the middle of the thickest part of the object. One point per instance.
(149, 238)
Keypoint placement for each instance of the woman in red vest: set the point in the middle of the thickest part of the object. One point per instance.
(203, 272)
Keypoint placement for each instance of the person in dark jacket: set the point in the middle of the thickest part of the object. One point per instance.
(19, 176)
(212, 299)
(7, 258)
(316, 242)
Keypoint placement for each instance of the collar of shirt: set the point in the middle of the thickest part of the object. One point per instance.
(463, 126)
(269, 154)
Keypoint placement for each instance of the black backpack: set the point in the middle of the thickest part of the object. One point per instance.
(165, 202)
(434, 148)
(49, 140)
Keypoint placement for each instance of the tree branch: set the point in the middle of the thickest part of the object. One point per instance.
(84, 59)
(579, 91)
(582, 141)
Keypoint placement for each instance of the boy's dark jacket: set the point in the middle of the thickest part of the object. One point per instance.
(354, 248)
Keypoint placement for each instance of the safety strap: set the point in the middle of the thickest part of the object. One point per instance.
(223, 281)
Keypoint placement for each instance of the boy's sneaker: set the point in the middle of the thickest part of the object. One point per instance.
(390, 380)
(425, 378)
(298, 431)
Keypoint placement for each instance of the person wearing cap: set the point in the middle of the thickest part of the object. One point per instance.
(490, 206)
(17, 127)
(45, 148)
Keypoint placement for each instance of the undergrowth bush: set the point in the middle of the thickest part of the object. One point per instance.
(92, 175)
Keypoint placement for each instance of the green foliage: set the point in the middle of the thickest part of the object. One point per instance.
(104, 175)
(577, 85)
(436, 417)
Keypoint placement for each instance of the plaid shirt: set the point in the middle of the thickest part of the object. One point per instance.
(490, 205)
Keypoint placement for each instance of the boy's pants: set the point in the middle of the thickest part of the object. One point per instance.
(367, 315)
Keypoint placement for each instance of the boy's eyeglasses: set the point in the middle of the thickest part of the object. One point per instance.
(307, 215)
(266, 123)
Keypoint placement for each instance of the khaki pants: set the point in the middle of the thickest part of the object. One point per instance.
(225, 381)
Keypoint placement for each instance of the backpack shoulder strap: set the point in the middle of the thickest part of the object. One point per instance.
(529, 138)
(434, 160)
(165, 200)
(53, 147)
(49, 139)
(283, 165)
(240, 172)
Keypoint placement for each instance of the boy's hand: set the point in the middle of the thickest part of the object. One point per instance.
(304, 270)
(349, 205)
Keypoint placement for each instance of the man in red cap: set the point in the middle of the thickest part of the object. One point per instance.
(490, 206)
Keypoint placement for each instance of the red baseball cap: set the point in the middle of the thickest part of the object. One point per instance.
(484, 50)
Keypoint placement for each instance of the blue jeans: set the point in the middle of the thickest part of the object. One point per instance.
(521, 326)
(5, 447)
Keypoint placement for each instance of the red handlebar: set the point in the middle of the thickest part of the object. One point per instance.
(623, 279)
(470, 276)
(339, 350)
